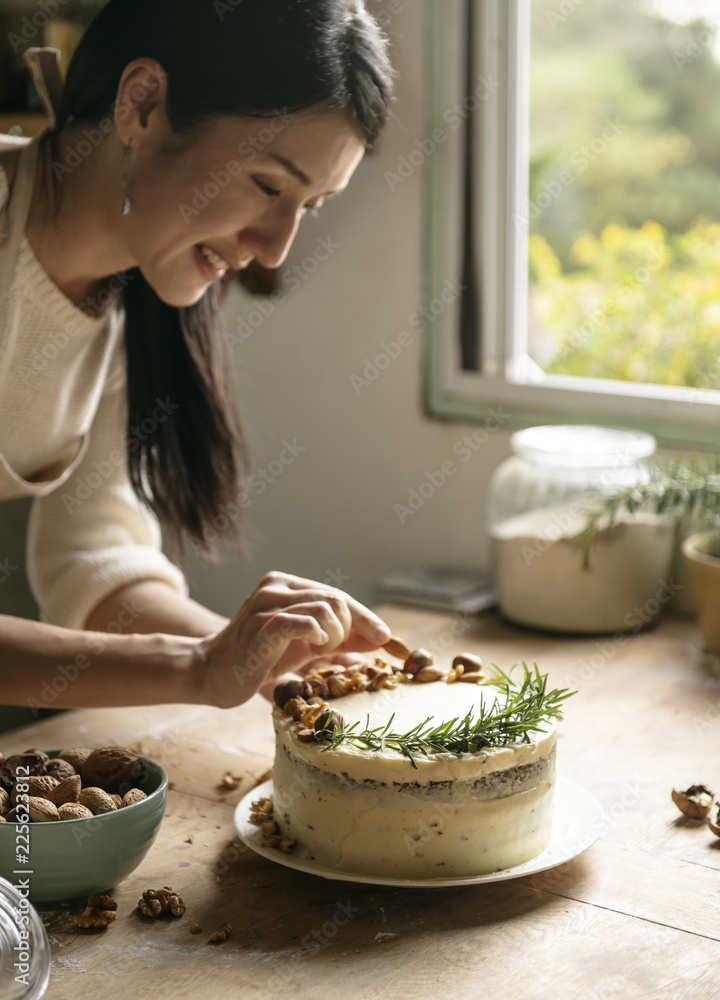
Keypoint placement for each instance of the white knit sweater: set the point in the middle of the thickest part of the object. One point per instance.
(63, 440)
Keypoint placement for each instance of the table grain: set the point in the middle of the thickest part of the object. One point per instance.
(636, 916)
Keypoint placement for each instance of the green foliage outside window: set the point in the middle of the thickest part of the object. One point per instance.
(624, 241)
(639, 305)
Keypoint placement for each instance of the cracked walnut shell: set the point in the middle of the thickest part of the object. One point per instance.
(695, 802)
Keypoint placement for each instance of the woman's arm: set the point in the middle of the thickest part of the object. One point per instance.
(284, 624)
(152, 606)
(49, 667)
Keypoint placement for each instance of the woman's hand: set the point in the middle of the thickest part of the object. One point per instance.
(284, 624)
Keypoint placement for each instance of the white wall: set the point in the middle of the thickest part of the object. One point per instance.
(332, 509)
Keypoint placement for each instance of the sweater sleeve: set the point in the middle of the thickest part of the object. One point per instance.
(92, 536)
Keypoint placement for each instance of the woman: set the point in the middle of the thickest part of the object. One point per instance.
(188, 142)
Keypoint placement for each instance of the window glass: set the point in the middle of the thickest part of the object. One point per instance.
(624, 190)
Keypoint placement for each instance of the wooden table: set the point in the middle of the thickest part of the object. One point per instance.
(636, 916)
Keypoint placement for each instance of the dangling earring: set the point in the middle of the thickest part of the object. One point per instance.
(127, 203)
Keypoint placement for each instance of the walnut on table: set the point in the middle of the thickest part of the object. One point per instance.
(99, 912)
(230, 780)
(221, 934)
(155, 902)
(695, 802)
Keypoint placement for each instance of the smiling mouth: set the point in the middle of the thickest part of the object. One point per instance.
(214, 259)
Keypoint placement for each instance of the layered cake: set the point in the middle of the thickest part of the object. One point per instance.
(390, 772)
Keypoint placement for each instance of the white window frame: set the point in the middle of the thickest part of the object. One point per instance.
(675, 415)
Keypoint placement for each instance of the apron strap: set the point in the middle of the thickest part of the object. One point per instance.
(44, 64)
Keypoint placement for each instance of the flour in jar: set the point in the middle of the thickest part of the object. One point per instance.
(541, 580)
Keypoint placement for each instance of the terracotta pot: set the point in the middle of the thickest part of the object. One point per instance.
(704, 571)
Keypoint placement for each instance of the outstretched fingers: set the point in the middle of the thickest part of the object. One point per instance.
(280, 588)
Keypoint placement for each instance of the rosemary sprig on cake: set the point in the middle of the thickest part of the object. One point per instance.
(523, 711)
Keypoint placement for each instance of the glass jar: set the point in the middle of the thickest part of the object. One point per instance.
(537, 508)
(24, 948)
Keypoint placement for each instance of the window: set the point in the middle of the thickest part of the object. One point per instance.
(574, 170)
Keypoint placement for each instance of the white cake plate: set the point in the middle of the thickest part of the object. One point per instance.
(579, 821)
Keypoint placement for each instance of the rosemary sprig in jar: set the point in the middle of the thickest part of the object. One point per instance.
(513, 716)
(677, 491)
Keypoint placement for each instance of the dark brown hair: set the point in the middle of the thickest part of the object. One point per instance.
(248, 58)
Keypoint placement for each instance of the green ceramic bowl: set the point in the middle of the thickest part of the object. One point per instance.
(80, 857)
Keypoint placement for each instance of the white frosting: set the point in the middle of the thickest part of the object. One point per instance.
(372, 812)
(411, 704)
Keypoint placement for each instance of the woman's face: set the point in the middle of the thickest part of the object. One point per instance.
(235, 195)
